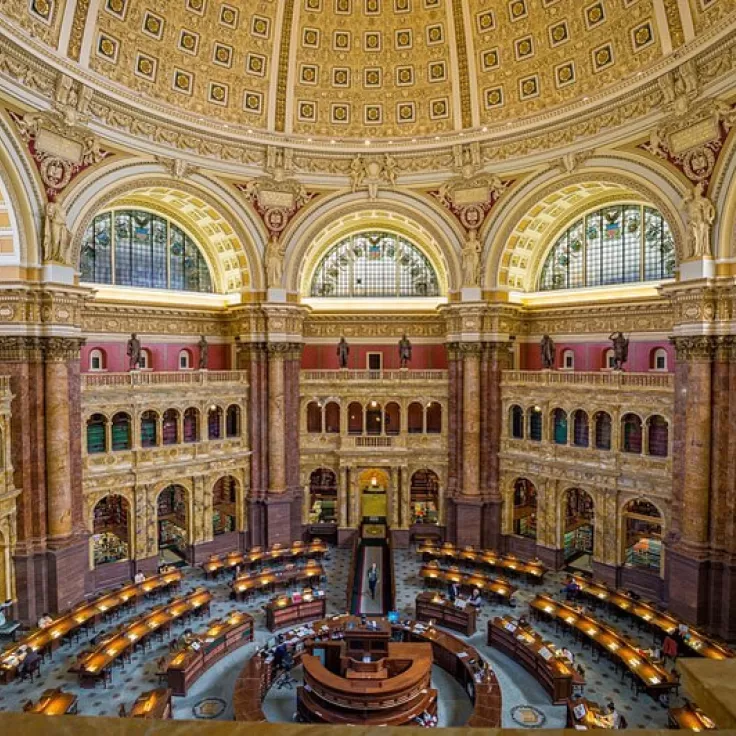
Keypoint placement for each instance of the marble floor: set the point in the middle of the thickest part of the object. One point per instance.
(210, 697)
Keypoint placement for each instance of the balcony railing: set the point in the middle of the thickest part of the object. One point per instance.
(601, 379)
(391, 375)
(373, 441)
(162, 378)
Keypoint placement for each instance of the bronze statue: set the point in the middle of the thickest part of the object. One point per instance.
(204, 353)
(404, 351)
(620, 350)
(134, 352)
(547, 347)
(343, 350)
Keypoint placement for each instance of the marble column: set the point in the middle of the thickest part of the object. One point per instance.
(276, 418)
(472, 400)
(688, 539)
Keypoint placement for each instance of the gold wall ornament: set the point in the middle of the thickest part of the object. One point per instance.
(696, 348)
(60, 152)
(471, 199)
(56, 236)
(700, 214)
(372, 172)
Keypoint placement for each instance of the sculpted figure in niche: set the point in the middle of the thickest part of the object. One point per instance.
(620, 350)
(134, 352)
(700, 215)
(204, 353)
(357, 173)
(343, 351)
(471, 259)
(547, 347)
(55, 235)
(404, 351)
(274, 262)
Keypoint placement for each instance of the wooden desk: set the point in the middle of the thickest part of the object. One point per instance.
(83, 615)
(393, 691)
(221, 637)
(92, 665)
(432, 573)
(538, 657)
(271, 579)
(257, 555)
(152, 704)
(284, 611)
(654, 678)
(55, 702)
(594, 716)
(646, 613)
(434, 607)
(458, 658)
(533, 569)
(690, 717)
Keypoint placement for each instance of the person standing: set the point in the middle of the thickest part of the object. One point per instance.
(373, 579)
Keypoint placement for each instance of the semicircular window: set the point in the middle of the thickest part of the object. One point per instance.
(138, 248)
(375, 264)
(618, 244)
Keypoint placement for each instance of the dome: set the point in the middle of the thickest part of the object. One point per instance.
(348, 70)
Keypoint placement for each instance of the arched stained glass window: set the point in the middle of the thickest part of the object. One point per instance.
(375, 264)
(139, 248)
(619, 244)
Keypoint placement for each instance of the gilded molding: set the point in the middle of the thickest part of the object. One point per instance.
(695, 348)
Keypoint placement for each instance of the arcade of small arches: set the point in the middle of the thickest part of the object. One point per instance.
(373, 417)
(597, 430)
(155, 428)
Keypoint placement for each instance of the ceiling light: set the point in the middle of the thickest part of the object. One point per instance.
(485, 129)
(367, 142)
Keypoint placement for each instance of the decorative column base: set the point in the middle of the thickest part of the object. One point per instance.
(345, 536)
(491, 525)
(520, 546)
(687, 586)
(147, 565)
(400, 538)
(31, 573)
(221, 544)
(68, 564)
(722, 595)
(298, 529)
(108, 575)
(257, 522)
(605, 573)
(278, 508)
(552, 557)
(468, 520)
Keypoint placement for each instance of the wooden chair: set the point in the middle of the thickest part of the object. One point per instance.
(121, 711)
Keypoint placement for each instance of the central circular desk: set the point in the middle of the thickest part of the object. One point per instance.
(383, 680)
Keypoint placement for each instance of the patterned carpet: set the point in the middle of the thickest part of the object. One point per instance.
(205, 699)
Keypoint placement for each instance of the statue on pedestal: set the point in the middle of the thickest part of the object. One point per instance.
(343, 351)
(134, 352)
(620, 350)
(547, 347)
(471, 259)
(204, 353)
(700, 215)
(404, 351)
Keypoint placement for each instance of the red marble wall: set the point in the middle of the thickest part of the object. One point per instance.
(591, 356)
(324, 357)
(164, 356)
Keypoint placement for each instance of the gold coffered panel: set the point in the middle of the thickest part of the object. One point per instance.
(534, 54)
(375, 68)
(209, 57)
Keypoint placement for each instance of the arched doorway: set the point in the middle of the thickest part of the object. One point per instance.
(111, 530)
(525, 508)
(224, 500)
(373, 488)
(424, 494)
(173, 524)
(323, 496)
(642, 526)
(579, 527)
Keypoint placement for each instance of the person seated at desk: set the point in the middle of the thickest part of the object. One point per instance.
(45, 621)
(185, 639)
(523, 621)
(617, 719)
(28, 662)
(453, 591)
(475, 599)
(571, 590)
(279, 654)
(139, 577)
(568, 655)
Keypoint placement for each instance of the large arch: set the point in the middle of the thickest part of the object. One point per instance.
(518, 236)
(431, 228)
(723, 193)
(230, 234)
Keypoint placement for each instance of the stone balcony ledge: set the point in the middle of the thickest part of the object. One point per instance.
(389, 376)
(605, 380)
(162, 379)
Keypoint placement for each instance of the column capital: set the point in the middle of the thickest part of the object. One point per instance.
(695, 347)
(62, 349)
(285, 350)
(21, 348)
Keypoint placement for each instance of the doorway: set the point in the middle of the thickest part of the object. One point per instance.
(373, 486)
